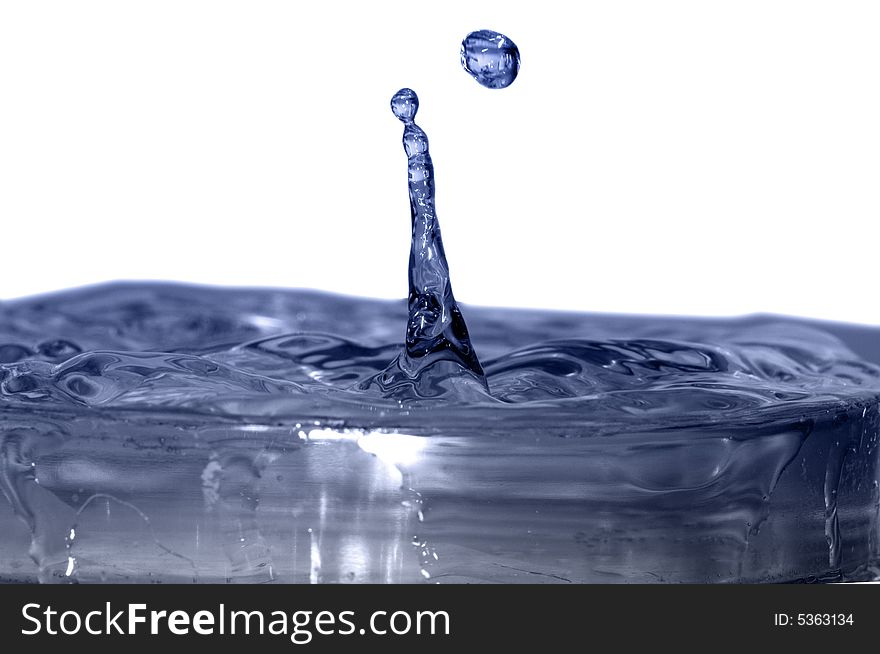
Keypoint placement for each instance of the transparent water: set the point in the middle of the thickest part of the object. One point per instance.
(490, 58)
(160, 432)
(177, 433)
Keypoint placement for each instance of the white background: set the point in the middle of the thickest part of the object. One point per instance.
(670, 157)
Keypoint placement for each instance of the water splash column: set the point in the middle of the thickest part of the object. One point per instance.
(438, 355)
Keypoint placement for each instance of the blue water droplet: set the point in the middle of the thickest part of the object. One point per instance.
(405, 104)
(491, 58)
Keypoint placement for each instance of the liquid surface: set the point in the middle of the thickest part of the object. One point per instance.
(490, 58)
(163, 432)
(255, 351)
(155, 432)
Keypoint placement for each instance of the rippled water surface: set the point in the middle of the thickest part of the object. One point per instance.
(177, 433)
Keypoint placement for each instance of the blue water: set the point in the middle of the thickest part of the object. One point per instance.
(491, 58)
(438, 358)
(162, 432)
(187, 433)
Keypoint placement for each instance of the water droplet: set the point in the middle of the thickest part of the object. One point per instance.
(491, 58)
(405, 104)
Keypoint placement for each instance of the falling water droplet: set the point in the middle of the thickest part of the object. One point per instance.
(491, 58)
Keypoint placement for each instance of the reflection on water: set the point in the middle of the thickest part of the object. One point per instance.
(219, 503)
(175, 437)
(310, 504)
